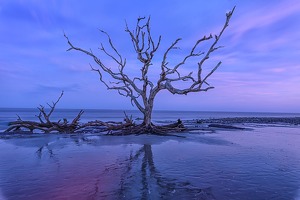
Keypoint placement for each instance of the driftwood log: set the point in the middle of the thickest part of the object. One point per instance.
(44, 123)
(110, 126)
(128, 127)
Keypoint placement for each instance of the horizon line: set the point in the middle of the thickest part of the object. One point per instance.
(155, 110)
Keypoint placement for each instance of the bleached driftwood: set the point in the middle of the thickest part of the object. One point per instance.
(45, 124)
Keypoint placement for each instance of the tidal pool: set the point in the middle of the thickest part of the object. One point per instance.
(263, 163)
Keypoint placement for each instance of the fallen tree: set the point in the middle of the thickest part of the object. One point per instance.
(44, 123)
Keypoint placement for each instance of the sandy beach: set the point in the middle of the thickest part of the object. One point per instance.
(259, 162)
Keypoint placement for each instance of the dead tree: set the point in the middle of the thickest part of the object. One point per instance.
(45, 124)
(141, 90)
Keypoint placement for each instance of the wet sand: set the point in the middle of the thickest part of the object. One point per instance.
(260, 162)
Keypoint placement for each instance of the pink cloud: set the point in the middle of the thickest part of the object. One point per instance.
(277, 70)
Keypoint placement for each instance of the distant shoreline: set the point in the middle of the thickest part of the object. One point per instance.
(255, 120)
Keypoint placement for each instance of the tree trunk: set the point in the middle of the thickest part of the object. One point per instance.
(148, 116)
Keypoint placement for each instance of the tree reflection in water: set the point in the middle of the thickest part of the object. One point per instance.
(136, 177)
(148, 183)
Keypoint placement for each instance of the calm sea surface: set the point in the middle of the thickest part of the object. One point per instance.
(263, 163)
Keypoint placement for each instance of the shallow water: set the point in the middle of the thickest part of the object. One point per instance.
(260, 164)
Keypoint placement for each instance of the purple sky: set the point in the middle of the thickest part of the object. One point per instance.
(261, 58)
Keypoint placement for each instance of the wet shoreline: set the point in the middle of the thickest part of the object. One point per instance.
(219, 158)
(263, 163)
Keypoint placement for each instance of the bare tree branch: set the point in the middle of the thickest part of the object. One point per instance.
(46, 125)
(166, 83)
(141, 90)
(52, 107)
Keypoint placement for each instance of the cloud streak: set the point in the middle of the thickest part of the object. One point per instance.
(264, 16)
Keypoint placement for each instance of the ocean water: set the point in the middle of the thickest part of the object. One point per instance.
(10, 114)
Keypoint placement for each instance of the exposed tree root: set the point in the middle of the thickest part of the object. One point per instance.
(163, 130)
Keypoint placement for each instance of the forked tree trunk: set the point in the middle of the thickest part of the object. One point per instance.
(148, 111)
(148, 117)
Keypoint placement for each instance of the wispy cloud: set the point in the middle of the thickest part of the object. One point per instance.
(263, 16)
